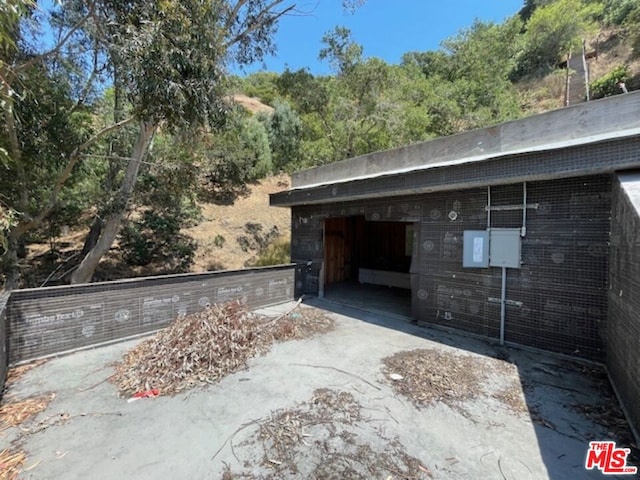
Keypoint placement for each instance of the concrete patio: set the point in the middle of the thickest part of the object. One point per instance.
(87, 431)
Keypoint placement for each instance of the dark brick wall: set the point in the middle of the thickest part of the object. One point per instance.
(562, 283)
(45, 321)
(623, 329)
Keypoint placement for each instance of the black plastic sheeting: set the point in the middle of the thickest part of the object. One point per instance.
(623, 328)
(47, 321)
(560, 291)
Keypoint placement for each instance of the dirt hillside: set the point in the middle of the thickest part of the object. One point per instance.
(221, 227)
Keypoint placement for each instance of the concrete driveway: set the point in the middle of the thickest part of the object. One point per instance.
(327, 407)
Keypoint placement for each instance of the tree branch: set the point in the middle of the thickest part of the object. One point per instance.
(10, 122)
(87, 86)
(234, 14)
(15, 154)
(66, 173)
(260, 21)
(55, 50)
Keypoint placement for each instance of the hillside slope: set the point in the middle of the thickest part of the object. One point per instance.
(219, 234)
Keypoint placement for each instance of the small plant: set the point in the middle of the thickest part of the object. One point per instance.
(608, 84)
(276, 253)
(218, 241)
(255, 239)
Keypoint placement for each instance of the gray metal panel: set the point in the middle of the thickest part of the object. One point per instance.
(504, 247)
(475, 253)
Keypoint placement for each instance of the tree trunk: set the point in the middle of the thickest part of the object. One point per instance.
(111, 227)
(10, 264)
(92, 237)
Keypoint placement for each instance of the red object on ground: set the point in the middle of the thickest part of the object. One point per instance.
(154, 392)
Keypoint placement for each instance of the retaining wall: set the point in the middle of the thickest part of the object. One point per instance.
(47, 321)
(623, 328)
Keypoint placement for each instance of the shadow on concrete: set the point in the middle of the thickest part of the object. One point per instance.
(569, 402)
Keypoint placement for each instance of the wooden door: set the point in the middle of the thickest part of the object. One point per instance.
(336, 250)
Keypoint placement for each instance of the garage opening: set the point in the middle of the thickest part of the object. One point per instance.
(366, 263)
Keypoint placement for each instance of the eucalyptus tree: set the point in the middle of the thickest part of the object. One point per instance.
(167, 59)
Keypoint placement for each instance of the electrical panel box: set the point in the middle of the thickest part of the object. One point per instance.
(504, 247)
(475, 249)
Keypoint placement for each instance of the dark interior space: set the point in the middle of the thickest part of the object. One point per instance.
(367, 263)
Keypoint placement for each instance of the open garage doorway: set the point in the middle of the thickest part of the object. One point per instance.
(367, 263)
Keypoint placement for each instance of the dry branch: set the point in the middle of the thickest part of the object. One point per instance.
(202, 348)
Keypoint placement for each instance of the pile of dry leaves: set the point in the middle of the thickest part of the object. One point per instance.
(14, 413)
(427, 376)
(202, 348)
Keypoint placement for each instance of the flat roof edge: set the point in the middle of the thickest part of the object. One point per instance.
(607, 118)
(593, 139)
(605, 157)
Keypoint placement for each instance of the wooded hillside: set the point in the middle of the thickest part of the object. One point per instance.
(125, 127)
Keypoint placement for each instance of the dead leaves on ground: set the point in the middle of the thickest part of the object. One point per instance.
(202, 348)
(16, 373)
(15, 413)
(431, 376)
(328, 436)
(11, 464)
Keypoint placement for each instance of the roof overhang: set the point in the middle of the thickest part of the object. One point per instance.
(593, 138)
(603, 157)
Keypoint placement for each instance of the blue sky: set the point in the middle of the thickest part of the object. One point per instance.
(385, 28)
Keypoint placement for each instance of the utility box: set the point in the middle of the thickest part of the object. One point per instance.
(504, 247)
(475, 249)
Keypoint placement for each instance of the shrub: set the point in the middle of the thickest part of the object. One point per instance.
(276, 253)
(156, 238)
(607, 85)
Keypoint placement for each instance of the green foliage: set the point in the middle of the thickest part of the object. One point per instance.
(232, 157)
(255, 238)
(156, 238)
(8, 220)
(254, 140)
(284, 129)
(530, 6)
(306, 92)
(276, 253)
(430, 63)
(50, 126)
(632, 30)
(11, 12)
(606, 85)
(342, 53)
(166, 198)
(261, 85)
(553, 30)
(616, 12)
